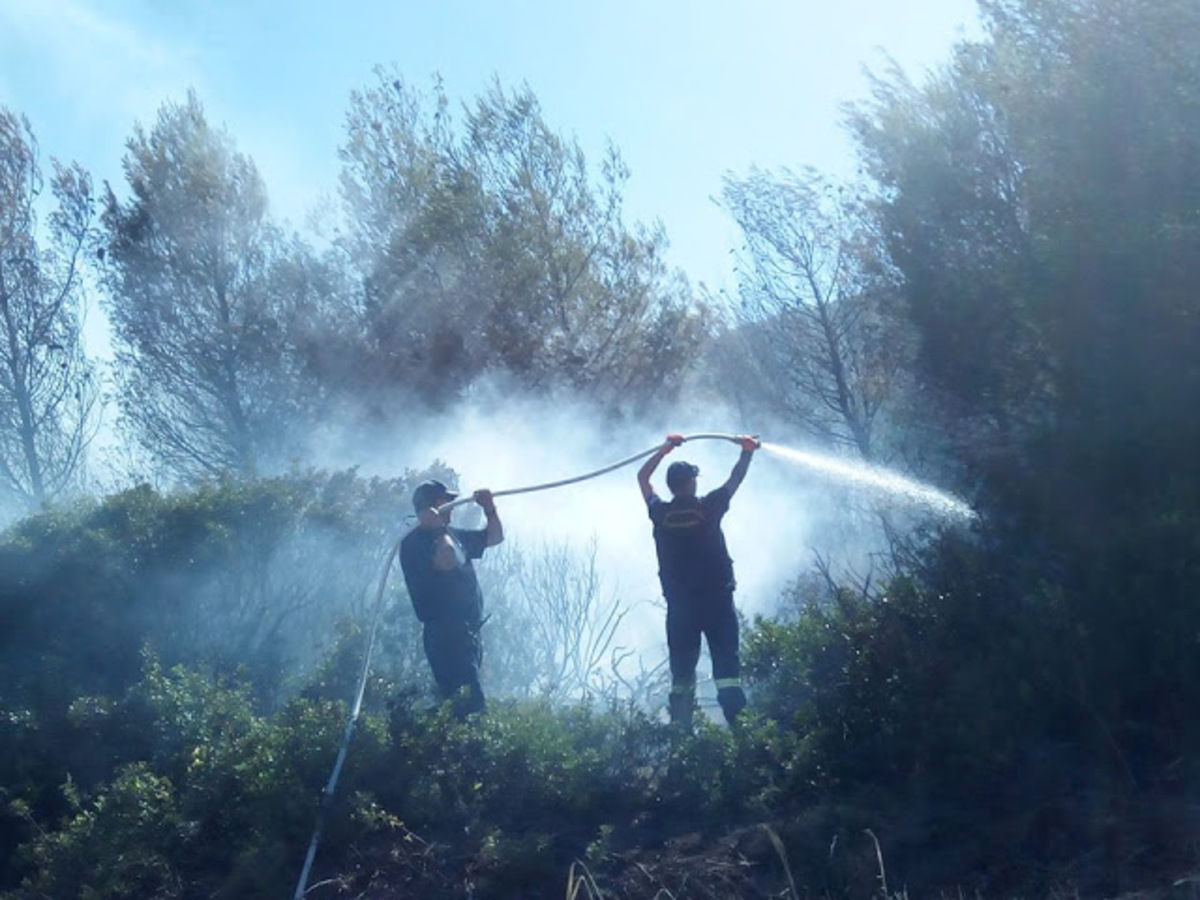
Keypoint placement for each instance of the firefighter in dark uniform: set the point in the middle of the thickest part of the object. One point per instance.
(697, 578)
(436, 560)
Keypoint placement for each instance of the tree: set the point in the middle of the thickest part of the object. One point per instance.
(1104, 121)
(48, 395)
(818, 303)
(208, 373)
(1039, 197)
(490, 247)
(955, 232)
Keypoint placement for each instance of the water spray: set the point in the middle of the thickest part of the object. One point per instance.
(878, 478)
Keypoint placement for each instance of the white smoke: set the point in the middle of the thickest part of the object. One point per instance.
(781, 518)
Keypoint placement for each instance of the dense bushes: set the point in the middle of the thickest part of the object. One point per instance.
(882, 715)
(175, 670)
(232, 579)
(199, 791)
(979, 722)
(247, 576)
(995, 724)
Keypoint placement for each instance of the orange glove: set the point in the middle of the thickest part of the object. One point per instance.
(749, 442)
(674, 439)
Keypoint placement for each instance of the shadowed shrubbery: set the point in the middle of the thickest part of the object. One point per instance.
(229, 576)
(235, 580)
(964, 723)
(856, 750)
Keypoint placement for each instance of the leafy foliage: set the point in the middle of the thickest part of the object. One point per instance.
(228, 576)
(204, 299)
(490, 247)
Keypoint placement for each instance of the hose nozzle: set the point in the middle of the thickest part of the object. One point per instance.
(748, 442)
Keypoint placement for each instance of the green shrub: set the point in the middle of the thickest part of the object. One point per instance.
(127, 842)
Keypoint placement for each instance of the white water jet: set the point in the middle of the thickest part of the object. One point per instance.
(878, 478)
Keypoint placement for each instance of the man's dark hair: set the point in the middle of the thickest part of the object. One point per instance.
(428, 493)
(680, 473)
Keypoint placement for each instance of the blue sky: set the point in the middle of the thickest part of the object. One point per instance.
(686, 90)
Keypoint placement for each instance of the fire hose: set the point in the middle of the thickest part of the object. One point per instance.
(330, 788)
(735, 438)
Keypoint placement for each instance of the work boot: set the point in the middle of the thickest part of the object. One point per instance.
(468, 701)
(682, 708)
(733, 701)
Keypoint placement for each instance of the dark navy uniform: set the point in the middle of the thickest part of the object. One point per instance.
(696, 573)
(450, 606)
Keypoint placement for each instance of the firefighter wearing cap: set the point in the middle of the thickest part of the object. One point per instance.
(696, 573)
(436, 560)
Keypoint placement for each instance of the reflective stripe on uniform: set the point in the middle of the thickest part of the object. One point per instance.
(723, 683)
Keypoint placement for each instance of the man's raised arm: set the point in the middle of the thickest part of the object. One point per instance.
(648, 467)
(749, 444)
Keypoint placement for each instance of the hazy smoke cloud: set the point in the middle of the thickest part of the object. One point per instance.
(780, 518)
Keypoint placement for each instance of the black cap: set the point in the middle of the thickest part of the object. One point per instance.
(429, 493)
(679, 473)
